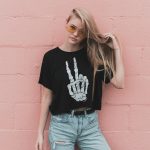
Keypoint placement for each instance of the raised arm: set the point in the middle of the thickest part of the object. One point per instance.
(118, 79)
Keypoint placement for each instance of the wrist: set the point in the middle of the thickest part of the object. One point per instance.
(40, 133)
(117, 49)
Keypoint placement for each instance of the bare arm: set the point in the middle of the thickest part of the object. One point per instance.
(118, 79)
(46, 98)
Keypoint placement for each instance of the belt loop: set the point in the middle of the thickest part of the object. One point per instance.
(85, 113)
(72, 112)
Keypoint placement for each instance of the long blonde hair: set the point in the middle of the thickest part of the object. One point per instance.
(98, 47)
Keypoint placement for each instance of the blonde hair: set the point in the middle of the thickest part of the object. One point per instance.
(98, 47)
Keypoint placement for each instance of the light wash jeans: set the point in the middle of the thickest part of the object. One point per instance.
(67, 129)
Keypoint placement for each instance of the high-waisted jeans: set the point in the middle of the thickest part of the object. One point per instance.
(67, 129)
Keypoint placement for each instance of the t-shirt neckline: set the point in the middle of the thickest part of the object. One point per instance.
(67, 52)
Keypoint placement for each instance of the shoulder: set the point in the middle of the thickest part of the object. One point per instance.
(51, 52)
(48, 58)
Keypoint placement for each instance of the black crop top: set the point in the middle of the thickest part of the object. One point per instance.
(70, 76)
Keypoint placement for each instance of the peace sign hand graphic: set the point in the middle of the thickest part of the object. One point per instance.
(78, 86)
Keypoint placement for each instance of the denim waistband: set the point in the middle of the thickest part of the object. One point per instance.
(81, 112)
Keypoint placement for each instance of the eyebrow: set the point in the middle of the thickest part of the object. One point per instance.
(77, 27)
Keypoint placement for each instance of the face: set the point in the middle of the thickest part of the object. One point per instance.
(75, 30)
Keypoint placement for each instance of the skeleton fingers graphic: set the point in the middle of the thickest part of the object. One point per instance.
(77, 87)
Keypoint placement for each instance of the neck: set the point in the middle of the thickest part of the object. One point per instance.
(70, 47)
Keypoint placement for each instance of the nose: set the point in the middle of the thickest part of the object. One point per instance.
(76, 33)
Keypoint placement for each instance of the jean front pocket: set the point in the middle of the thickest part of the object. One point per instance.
(62, 118)
(92, 119)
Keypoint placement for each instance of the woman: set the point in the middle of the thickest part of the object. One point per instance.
(71, 76)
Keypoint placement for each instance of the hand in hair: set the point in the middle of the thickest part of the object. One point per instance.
(114, 40)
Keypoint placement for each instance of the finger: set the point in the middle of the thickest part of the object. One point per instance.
(87, 83)
(36, 146)
(69, 73)
(110, 35)
(40, 146)
(107, 35)
(75, 69)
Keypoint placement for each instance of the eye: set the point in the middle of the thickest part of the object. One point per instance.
(72, 27)
(82, 32)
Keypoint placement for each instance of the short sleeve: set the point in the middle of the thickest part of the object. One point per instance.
(45, 77)
(107, 76)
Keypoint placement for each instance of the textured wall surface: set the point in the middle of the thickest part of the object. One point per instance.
(30, 28)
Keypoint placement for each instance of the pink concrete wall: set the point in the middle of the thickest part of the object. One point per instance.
(29, 28)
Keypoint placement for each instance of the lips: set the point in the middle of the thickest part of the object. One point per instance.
(73, 38)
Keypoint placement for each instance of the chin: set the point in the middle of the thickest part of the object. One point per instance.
(72, 42)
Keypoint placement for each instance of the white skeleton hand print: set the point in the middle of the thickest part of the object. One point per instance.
(77, 87)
